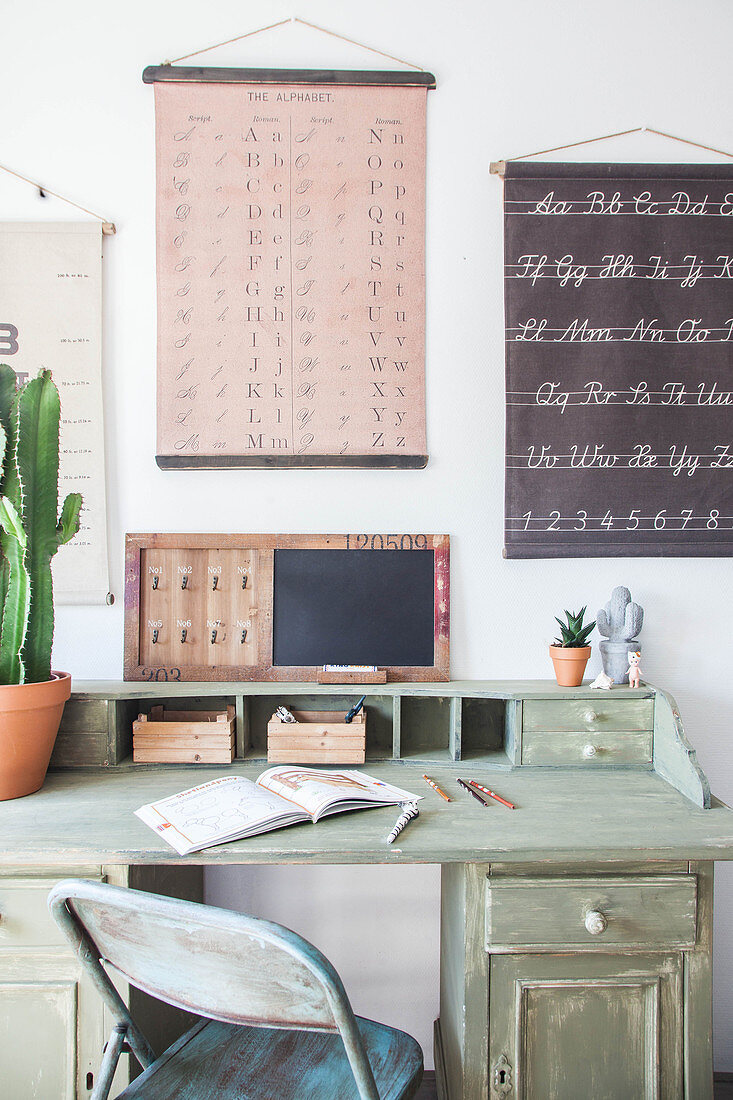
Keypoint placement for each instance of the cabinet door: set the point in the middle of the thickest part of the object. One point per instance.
(51, 1017)
(571, 1027)
(51, 1029)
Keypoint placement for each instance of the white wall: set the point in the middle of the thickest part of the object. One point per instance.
(512, 78)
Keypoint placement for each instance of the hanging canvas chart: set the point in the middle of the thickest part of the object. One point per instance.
(619, 359)
(51, 317)
(291, 270)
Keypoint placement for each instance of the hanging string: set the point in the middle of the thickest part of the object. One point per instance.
(361, 45)
(303, 23)
(108, 228)
(497, 167)
(228, 42)
(686, 141)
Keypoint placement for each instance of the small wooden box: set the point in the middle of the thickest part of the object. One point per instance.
(317, 737)
(183, 737)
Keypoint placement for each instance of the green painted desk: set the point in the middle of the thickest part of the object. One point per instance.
(576, 930)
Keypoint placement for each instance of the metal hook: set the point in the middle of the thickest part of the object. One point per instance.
(244, 580)
(155, 636)
(215, 584)
(243, 639)
(155, 583)
(213, 636)
(184, 582)
(184, 635)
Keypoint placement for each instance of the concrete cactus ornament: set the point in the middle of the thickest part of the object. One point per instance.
(620, 621)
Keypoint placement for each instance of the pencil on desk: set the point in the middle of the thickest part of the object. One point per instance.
(470, 790)
(409, 811)
(492, 794)
(431, 783)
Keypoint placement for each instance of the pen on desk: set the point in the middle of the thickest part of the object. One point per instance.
(475, 794)
(492, 794)
(409, 811)
(351, 714)
(434, 785)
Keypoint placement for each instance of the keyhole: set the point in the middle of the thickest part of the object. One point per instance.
(215, 584)
(155, 583)
(90, 1081)
(502, 1076)
(184, 582)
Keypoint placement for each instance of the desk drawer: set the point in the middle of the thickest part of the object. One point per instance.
(573, 715)
(25, 921)
(592, 749)
(590, 913)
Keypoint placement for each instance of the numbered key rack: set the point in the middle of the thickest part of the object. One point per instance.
(279, 607)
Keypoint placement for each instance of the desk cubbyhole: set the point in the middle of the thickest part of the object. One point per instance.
(482, 730)
(425, 727)
(258, 710)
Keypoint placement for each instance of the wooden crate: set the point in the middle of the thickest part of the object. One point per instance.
(317, 737)
(183, 737)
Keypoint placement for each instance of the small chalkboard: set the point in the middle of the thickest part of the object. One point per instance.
(354, 607)
(280, 607)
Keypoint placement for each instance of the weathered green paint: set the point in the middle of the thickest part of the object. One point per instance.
(544, 913)
(563, 815)
(44, 995)
(616, 833)
(591, 715)
(481, 722)
(579, 1026)
(674, 756)
(641, 1018)
(587, 750)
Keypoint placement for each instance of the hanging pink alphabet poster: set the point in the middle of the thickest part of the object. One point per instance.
(291, 268)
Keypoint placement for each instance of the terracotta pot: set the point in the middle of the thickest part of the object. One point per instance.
(30, 715)
(569, 664)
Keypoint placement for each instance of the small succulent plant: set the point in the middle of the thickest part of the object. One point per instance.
(573, 635)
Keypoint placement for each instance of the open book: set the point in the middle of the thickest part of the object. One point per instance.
(234, 807)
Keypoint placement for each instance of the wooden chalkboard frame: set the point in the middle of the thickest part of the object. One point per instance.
(136, 667)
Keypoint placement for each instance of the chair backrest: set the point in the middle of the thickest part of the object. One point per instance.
(216, 963)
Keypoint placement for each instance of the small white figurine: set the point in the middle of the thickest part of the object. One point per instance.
(602, 681)
(634, 669)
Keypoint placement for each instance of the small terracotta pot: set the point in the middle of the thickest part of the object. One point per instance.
(569, 664)
(30, 715)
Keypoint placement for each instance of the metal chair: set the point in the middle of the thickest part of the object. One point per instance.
(277, 1022)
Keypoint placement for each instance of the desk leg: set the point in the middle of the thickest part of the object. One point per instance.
(698, 993)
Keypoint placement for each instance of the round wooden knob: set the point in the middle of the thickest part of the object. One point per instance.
(589, 751)
(590, 716)
(596, 922)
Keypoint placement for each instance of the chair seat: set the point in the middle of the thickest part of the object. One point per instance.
(216, 1061)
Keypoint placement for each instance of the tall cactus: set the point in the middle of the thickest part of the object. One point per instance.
(32, 530)
(621, 619)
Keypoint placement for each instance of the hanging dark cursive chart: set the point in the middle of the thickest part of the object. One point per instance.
(619, 359)
(291, 273)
